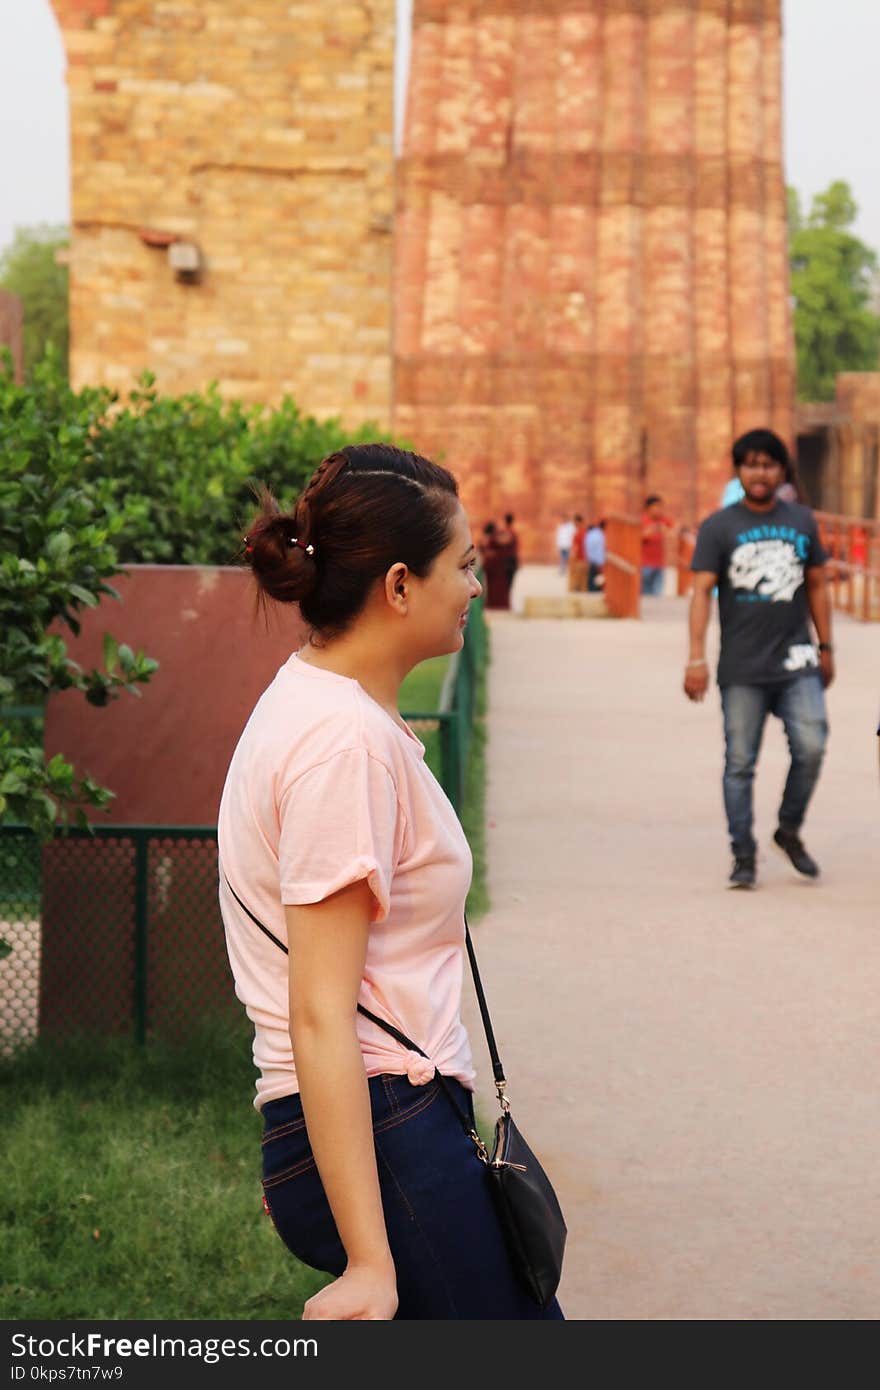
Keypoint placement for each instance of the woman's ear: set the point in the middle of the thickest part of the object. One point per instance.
(396, 586)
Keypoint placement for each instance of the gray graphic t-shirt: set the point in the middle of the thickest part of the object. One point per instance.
(760, 559)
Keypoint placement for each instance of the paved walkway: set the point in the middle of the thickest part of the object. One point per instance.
(698, 1068)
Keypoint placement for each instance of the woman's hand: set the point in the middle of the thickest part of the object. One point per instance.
(362, 1293)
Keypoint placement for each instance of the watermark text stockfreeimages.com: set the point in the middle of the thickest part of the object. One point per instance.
(210, 1350)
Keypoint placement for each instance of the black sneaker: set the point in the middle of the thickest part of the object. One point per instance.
(743, 872)
(792, 847)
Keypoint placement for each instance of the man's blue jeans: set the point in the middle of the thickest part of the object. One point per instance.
(652, 579)
(800, 704)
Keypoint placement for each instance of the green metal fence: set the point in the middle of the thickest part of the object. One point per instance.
(117, 930)
(112, 932)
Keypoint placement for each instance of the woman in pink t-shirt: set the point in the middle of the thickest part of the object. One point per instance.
(344, 872)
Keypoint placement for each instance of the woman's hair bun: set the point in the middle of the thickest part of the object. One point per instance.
(282, 562)
(365, 508)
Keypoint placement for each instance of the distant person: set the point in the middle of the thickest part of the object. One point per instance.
(594, 546)
(493, 557)
(564, 536)
(787, 492)
(577, 564)
(507, 537)
(767, 560)
(858, 549)
(655, 524)
(791, 489)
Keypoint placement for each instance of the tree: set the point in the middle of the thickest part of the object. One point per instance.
(57, 551)
(33, 268)
(832, 278)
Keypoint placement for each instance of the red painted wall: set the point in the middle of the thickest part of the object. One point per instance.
(165, 755)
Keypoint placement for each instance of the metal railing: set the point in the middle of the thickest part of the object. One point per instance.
(853, 545)
(684, 552)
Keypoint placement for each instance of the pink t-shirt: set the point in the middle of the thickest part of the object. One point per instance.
(324, 789)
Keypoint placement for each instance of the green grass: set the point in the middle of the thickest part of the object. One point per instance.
(473, 811)
(131, 1187)
(420, 693)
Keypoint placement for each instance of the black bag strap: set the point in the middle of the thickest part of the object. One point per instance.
(497, 1068)
(400, 1037)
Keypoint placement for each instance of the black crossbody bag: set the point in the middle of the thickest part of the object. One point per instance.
(527, 1205)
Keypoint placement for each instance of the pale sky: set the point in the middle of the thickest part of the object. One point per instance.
(832, 105)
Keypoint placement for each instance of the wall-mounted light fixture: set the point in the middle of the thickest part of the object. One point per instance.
(184, 257)
(185, 260)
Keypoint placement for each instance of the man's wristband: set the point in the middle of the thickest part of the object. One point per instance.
(700, 661)
(825, 647)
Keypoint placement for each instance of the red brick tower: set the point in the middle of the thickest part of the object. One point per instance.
(591, 291)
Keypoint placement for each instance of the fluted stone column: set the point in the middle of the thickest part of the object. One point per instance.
(714, 414)
(592, 283)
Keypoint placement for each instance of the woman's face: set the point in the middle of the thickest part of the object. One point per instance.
(439, 602)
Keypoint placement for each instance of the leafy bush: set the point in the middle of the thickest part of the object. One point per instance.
(181, 469)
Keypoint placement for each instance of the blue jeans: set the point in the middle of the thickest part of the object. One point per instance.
(800, 704)
(652, 579)
(445, 1236)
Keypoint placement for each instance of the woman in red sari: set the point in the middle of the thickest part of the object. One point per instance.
(495, 556)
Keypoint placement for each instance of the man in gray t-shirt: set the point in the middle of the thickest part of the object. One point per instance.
(766, 560)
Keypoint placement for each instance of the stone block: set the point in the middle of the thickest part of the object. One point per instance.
(564, 606)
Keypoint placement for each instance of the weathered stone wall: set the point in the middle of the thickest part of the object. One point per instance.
(839, 440)
(591, 282)
(262, 132)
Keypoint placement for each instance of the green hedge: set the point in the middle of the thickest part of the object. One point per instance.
(177, 470)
